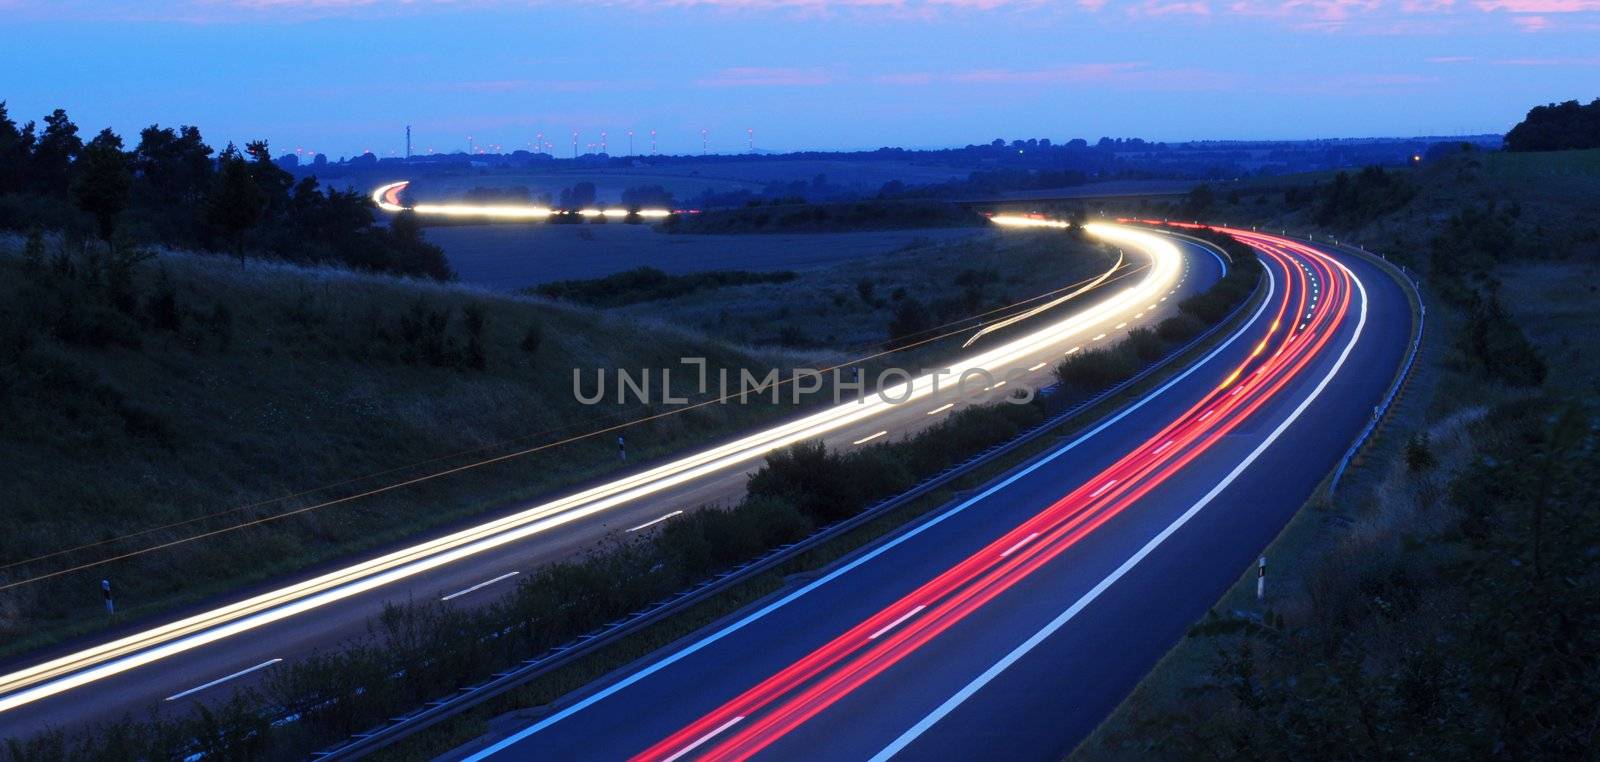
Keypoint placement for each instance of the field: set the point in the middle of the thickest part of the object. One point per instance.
(508, 257)
(830, 307)
(196, 385)
(688, 180)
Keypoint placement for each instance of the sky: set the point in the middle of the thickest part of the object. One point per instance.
(345, 76)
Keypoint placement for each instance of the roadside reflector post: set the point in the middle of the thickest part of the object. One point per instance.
(105, 587)
(1261, 579)
(622, 447)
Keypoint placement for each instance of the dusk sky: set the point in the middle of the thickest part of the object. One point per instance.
(343, 76)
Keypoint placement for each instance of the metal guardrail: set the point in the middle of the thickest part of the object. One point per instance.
(361, 744)
(1382, 410)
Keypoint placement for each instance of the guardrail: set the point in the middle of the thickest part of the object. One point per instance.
(400, 727)
(1382, 410)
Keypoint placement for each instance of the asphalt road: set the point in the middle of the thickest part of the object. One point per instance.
(210, 671)
(1008, 624)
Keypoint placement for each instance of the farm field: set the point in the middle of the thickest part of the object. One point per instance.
(506, 257)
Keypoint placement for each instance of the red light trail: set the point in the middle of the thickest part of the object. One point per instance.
(765, 712)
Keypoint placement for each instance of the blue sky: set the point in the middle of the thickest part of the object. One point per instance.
(343, 76)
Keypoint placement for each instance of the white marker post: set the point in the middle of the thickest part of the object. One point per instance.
(1261, 579)
(111, 606)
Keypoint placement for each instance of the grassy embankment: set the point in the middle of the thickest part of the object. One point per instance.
(1441, 604)
(348, 690)
(154, 393)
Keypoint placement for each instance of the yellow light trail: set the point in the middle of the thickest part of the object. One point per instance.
(129, 652)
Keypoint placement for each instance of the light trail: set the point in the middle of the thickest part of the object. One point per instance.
(795, 694)
(387, 197)
(152, 645)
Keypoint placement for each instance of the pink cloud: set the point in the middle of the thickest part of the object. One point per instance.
(1170, 7)
(1118, 75)
(913, 78)
(1539, 6)
(1531, 23)
(752, 76)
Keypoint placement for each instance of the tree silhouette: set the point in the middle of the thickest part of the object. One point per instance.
(235, 203)
(103, 181)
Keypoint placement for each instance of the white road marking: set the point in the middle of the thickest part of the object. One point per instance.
(1164, 447)
(1103, 488)
(1070, 351)
(1121, 325)
(869, 438)
(895, 623)
(486, 583)
(761, 613)
(1097, 338)
(1020, 543)
(221, 680)
(941, 408)
(1036, 367)
(703, 739)
(1061, 620)
(654, 522)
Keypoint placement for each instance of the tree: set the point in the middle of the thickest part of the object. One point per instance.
(175, 164)
(102, 182)
(1557, 127)
(579, 196)
(16, 149)
(1199, 201)
(58, 146)
(235, 203)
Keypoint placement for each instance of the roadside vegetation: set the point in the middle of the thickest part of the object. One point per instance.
(647, 284)
(417, 651)
(794, 214)
(147, 396)
(1440, 605)
(895, 298)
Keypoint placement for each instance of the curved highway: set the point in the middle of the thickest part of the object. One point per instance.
(1008, 624)
(203, 655)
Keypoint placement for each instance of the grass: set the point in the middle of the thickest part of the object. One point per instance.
(1406, 617)
(509, 257)
(514, 709)
(315, 377)
(832, 308)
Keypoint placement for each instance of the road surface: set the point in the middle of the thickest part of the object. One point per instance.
(172, 663)
(1008, 624)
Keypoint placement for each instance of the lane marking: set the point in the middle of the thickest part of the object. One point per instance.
(1036, 367)
(896, 623)
(1070, 351)
(867, 557)
(941, 408)
(1020, 543)
(1103, 488)
(870, 437)
(697, 744)
(1097, 338)
(1121, 325)
(221, 680)
(654, 522)
(1164, 447)
(486, 583)
(1033, 641)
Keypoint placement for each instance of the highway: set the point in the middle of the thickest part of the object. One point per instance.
(205, 652)
(1009, 623)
